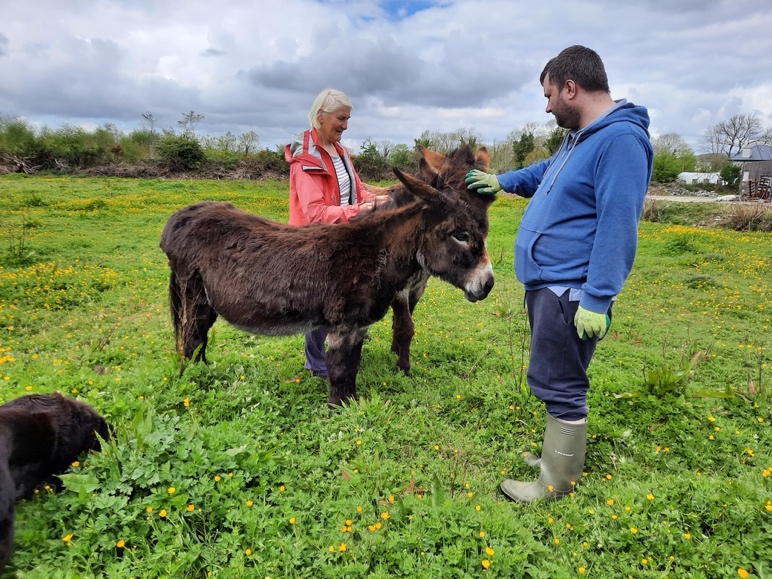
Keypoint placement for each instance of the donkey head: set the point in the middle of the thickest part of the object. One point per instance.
(453, 243)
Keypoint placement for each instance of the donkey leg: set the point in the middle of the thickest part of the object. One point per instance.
(198, 316)
(402, 329)
(344, 355)
(204, 320)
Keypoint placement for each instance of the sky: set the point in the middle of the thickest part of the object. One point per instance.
(408, 67)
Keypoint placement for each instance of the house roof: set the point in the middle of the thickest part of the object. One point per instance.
(754, 153)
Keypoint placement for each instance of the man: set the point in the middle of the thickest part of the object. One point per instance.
(574, 250)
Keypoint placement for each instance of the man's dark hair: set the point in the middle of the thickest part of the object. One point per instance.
(580, 64)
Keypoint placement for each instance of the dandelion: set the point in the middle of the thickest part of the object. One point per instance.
(470, 494)
(557, 541)
(482, 534)
(760, 419)
(248, 552)
(581, 570)
(644, 561)
(489, 551)
(68, 539)
(282, 488)
(217, 478)
(162, 513)
(191, 508)
(477, 507)
(249, 502)
(633, 530)
(391, 498)
(120, 544)
(610, 502)
(385, 515)
(171, 490)
(650, 496)
(359, 508)
(687, 536)
(742, 573)
(75, 463)
(486, 563)
(292, 520)
(186, 402)
(342, 547)
(359, 442)
(149, 509)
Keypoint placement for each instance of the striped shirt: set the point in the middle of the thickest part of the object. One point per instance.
(344, 181)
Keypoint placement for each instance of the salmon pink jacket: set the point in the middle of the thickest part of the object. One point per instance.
(314, 191)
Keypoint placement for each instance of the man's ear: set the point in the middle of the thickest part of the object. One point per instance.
(570, 88)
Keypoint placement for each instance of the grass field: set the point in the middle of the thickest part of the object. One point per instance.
(238, 469)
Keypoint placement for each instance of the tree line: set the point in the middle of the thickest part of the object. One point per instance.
(149, 151)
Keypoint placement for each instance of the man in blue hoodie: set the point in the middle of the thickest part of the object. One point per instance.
(574, 250)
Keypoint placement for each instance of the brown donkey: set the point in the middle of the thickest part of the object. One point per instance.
(275, 279)
(442, 172)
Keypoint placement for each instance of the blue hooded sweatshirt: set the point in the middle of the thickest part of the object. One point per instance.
(580, 229)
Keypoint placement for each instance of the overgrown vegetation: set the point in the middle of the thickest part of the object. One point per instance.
(180, 151)
(237, 469)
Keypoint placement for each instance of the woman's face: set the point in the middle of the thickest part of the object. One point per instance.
(332, 125)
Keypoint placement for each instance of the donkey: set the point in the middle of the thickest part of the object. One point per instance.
(40, 436)
(442, 172)
(275, 279)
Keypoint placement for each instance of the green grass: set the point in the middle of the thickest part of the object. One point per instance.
(237, 469)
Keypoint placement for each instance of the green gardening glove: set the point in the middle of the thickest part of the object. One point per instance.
(590, 324)
(482, 182)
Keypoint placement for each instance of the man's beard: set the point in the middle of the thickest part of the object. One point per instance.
(568, 118)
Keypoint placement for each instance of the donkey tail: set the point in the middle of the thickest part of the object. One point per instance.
(175, 308)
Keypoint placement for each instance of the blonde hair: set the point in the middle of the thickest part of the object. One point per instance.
(327, 101)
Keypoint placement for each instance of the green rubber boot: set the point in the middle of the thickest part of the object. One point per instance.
(561, 464)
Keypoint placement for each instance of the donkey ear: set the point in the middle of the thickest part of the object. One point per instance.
(434, 161)
(417, 187)
(483, 158)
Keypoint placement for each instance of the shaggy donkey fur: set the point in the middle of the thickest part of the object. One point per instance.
(274, 279)
(40, 436)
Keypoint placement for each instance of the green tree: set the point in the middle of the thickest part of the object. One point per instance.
(180, 152)
(731, 174)
(666, 168)
(403, 158)
(554, 140)
(523, 147)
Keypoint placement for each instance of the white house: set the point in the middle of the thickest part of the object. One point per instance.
(698, 178)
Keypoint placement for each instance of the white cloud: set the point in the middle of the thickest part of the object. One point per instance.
(408, 66)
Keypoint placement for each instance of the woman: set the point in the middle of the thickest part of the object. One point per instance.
(324, 187)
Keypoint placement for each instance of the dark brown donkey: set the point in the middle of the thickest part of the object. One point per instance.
(275, 279)
(442, 172)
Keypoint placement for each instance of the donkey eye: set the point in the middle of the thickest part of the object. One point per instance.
(462, 236)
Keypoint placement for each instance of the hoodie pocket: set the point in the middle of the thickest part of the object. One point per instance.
(526, 268)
